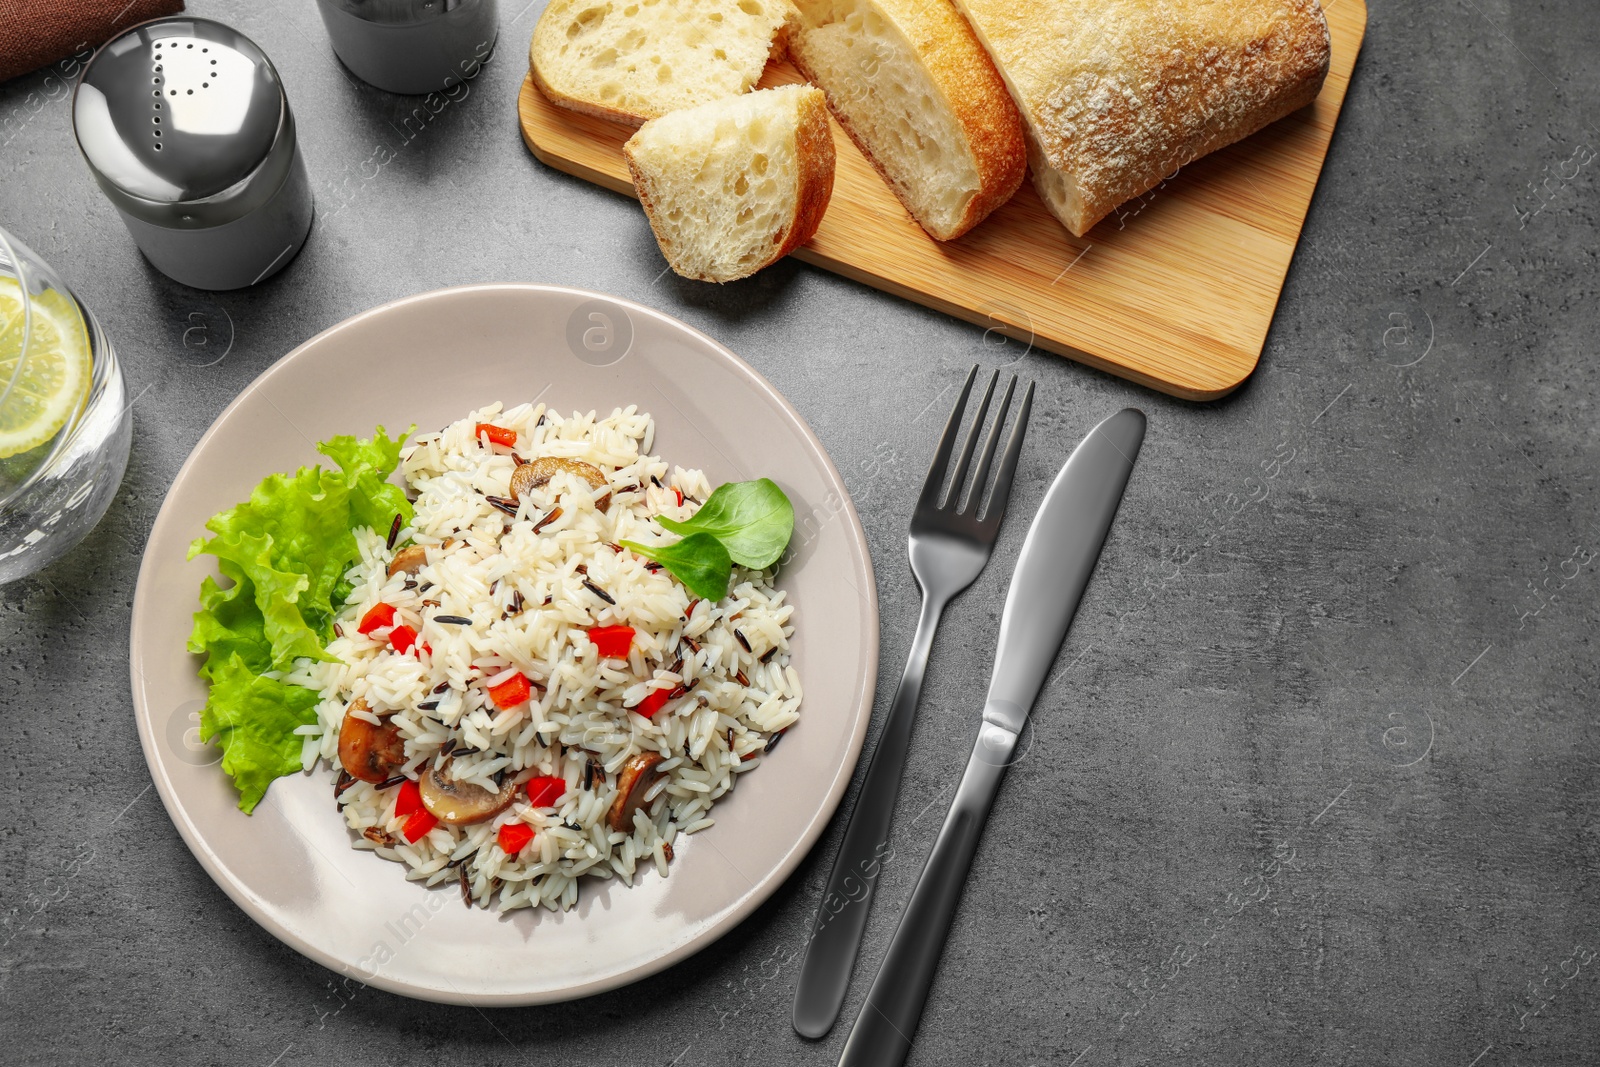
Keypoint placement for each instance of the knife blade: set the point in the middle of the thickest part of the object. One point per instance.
(1058, 555)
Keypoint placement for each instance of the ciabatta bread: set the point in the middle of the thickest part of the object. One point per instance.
(632, 60)
(1119, 94)
(918, 94)
(736, 184)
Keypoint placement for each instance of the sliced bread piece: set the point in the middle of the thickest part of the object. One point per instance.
(1119, 94)
(910, 83)
(632, 60)
(735, 184)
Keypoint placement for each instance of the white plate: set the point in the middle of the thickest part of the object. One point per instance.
(428, 360)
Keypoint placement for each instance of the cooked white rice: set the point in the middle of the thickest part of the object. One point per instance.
(479, 560)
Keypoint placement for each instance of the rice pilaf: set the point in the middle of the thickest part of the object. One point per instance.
(499, 597)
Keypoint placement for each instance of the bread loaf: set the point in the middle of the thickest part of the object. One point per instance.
(1119, 94)
(631, 60)
(736, 184)
(919, 96)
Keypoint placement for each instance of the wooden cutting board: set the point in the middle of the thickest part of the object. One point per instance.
(1176, 290)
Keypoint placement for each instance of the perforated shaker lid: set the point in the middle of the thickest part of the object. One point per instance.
(182, 110)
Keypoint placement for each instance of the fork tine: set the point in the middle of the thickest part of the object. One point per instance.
(980, 480)
(957, 480)
(947, 444)
(1001, 492)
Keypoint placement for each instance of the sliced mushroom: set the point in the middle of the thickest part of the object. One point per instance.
(632, 784)
(462, 803)
(409, 559)
(539, 472)
(370, 753)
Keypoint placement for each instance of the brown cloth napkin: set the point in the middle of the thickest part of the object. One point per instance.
(36, 32)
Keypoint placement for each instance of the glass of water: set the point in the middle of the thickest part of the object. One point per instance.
(64, 422)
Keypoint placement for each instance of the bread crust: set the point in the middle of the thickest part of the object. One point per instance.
(581, 105)
(1120, 94)
(814, 153)
(814, 149)
(972, 90)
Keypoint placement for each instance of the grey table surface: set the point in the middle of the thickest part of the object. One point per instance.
(1318, 783)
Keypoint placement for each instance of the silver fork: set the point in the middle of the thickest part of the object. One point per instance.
(951, 539)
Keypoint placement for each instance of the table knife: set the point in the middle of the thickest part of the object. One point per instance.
(1057, 557)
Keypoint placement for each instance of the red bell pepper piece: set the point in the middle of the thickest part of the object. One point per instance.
(402, 638)
(498, 435)
(612, 642)
(675, 489)
(409, 800)
(544, 791)
(418, 825)
(653, 702)
(376, 618)
(514, 837)
(511, 692)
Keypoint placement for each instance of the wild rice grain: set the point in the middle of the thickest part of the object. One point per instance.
(394, 532)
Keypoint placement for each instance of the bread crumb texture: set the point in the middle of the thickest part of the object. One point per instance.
(915, 90)
(637, 59)
(735, 184)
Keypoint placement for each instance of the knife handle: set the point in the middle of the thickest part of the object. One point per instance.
(842, 915)
(888, 1020)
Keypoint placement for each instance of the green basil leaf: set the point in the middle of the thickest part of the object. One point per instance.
(753, 520)
(698, 561)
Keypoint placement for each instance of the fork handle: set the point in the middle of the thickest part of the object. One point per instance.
(888, 1019)
(842, 915)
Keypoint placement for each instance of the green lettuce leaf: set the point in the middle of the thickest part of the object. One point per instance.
(254, 719)
(284, 551)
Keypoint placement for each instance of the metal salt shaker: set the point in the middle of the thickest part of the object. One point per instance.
(184, 123)
(411, 46)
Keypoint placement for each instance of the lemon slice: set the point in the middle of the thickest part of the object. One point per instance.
(52, 383)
